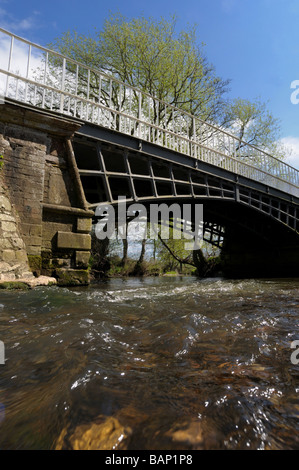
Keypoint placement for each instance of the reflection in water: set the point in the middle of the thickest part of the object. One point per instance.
(163, 363)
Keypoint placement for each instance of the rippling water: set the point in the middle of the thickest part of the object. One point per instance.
(181, 363)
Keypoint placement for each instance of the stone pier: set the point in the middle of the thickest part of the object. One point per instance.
(45, 221)
(14, 261)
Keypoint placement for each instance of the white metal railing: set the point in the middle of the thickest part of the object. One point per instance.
(32, 74)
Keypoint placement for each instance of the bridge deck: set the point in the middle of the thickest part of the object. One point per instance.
(119, 165)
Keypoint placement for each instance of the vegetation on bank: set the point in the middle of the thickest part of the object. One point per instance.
(109, 258)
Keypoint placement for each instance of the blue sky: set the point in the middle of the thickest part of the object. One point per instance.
(255, 43)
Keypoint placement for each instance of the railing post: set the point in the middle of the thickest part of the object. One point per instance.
(76, 90)
(62, 85)
(139, 112)
(45, 78)
(9, 64)
(27, 71)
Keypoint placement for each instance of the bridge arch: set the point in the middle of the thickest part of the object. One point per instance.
(108, 171)
(256, 226)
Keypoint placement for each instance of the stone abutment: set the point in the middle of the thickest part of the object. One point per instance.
(45, 224)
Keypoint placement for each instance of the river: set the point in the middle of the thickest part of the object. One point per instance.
(155, 363)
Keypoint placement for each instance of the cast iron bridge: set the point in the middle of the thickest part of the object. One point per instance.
(131, 144)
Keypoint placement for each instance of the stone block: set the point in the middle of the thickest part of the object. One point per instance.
(32, 241)
(17, 242)
(8, 226)
(34, 250)
(21, 256)
(4, 267)
(82, 259)
(26, 228)
(84, 225)
(61, 262)
(7, 236)
(5, 244)
(76, 241)
(5, 204)
(72, 277)
(8, 256)
(36, 230)
(7, 277)
(57, 189)
(7, 218)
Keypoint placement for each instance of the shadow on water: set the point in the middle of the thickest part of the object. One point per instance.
(155, 363)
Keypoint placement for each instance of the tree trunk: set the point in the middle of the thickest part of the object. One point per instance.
(200, 262)
(141, 257)
(125, 251)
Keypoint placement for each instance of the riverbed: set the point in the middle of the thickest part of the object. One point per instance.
(148, 364)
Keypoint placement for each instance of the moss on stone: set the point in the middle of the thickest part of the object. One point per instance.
(72, 277)
(35, 263)
(14, 285)
(46, 257)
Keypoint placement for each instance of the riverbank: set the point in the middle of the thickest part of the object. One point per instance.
(115, 266)
(116, 269)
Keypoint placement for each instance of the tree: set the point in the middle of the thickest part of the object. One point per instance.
(148, 54)
(100, 250)
(173, 254)
(254, 124)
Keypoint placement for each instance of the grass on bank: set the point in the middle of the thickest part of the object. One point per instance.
(131, 267)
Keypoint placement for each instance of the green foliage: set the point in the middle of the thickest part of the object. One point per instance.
(253, 123)
(133, 268)
(150, 55)
(1, 162)
(172, 253)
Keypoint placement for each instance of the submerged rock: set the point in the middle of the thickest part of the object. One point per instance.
(195, 435)
(107, 435)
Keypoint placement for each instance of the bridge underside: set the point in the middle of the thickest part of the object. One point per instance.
(256, 226)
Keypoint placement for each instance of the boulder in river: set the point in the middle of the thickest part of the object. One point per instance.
(109, 434)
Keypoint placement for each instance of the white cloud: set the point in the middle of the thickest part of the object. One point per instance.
(16, 25)
(19, 60)
(292, 143)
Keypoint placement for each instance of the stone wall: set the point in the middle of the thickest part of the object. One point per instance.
(13, 257)
(42, 185)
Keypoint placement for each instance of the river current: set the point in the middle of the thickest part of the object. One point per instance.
(155, 363)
